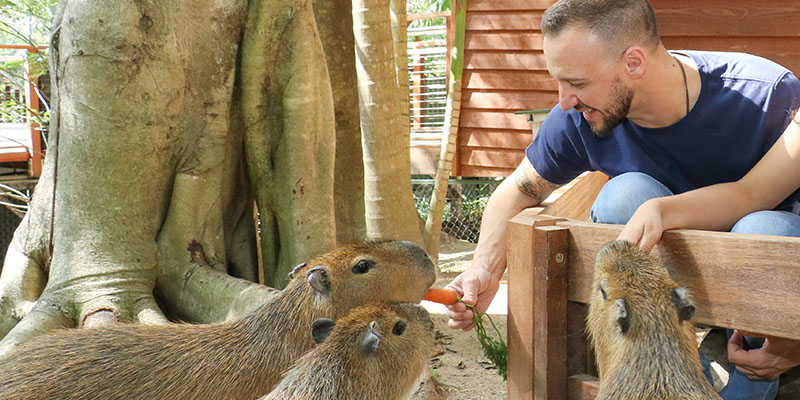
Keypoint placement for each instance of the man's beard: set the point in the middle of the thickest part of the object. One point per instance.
(622, 98)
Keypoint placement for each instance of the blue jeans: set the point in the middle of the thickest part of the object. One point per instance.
(619, 199)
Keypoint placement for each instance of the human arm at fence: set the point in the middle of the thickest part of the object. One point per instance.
(719, 207)
(479, 283)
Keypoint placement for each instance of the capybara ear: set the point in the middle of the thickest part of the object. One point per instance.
(623, 315)
(372, 339)
(683, 303)
(296, 270)
(321, 329)
(318, 279)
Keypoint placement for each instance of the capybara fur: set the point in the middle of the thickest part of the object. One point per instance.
(639, 325)
(378, 352)
(238, 359)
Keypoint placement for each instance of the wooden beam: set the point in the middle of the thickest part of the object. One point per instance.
(747, 282)
(520, 302)
(576, 202)
(582, 387)
(550, 312)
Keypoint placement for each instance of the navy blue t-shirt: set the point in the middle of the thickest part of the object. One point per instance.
(744, 106)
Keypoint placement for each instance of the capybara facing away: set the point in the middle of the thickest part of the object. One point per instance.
(238, 359)
(639, 324)
(378, 352)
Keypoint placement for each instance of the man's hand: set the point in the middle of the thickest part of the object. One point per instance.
(476, 286)
(775, 357)
(645, 226)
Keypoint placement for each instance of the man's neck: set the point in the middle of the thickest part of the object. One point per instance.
(660, 98)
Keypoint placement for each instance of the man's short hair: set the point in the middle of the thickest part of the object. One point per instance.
(627, 22)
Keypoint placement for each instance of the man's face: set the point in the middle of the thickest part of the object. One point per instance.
(587, 79)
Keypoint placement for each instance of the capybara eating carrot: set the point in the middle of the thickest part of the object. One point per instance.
(238, 359)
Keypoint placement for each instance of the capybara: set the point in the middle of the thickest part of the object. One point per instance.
(238, 359)
(639, 324)
(378, 352)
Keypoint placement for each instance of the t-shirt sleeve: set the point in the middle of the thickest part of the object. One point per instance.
(784, 101)
(557, 152)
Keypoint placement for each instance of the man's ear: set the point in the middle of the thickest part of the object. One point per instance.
(635, 60)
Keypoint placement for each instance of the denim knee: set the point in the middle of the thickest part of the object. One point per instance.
(777, 223)
(623, 194)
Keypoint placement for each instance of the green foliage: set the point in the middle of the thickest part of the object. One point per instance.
(495, 350)
(23, 22)
(424, 6)
(427, 6)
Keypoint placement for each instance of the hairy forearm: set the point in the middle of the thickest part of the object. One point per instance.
(716, 207)
(507, 201)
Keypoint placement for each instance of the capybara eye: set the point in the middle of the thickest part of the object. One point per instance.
(363, 266)
(399, 328)
(603, 292)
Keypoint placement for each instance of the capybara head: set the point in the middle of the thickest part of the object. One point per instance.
(634, 300)
(378, 351)
(352, 275)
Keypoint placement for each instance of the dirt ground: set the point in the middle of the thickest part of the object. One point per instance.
(460, 371)
(458, 368)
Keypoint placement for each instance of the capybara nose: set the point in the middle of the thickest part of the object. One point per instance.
(416, 252)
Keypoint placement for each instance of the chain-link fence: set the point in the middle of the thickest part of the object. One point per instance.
(463, 210)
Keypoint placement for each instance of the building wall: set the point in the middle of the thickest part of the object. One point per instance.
(504, 67)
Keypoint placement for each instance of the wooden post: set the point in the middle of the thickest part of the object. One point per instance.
(550, 313)
(527, 248)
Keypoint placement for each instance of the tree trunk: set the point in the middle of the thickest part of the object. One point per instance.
(433, 225)
(158, 141)
(335, 23)
(387, 164)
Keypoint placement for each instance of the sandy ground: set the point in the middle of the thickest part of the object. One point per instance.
(458, 369)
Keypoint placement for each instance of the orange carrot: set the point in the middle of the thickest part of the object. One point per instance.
(442, 296)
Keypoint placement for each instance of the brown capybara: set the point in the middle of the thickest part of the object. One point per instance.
(639, 324)
(378, 352)
(238, 359)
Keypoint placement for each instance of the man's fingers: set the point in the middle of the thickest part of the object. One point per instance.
(460, 317)
(735, 345)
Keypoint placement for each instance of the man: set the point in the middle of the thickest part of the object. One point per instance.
(701, 140)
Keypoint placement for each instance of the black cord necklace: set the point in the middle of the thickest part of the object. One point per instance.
(685, 83)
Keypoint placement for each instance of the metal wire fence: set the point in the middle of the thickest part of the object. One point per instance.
(463, 210)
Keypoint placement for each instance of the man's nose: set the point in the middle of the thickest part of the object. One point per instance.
(566, 98)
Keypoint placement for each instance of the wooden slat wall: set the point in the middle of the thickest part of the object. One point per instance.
(505, 71)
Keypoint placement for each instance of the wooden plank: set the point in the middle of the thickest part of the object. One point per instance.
(582, 387)
(730, 18)
(491, 5)
(520, 303)
(580, 357)
(782, 50)
(527, 60)
(577, 202)
(550, 312)
(494, 20)
(506, 79)
(483, 171)
(498, 138)
(746, 282)
(504, 41)
(477, 118)
(490, 157)
(508, 100)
